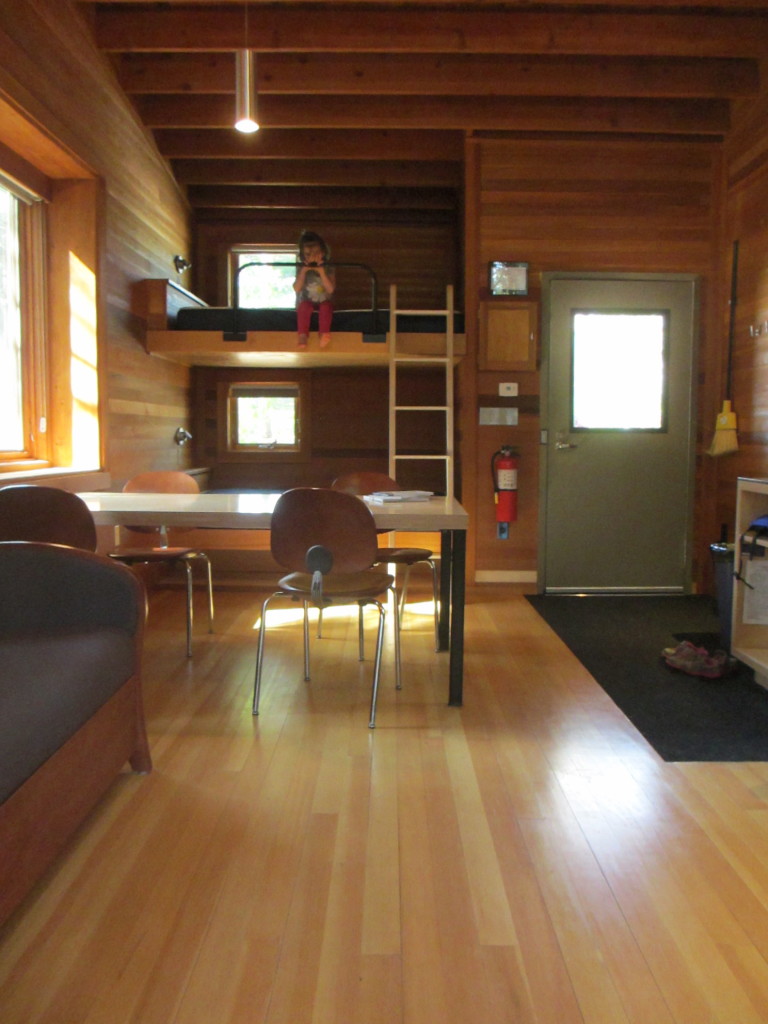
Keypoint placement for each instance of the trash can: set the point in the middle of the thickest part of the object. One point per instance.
(722, 561)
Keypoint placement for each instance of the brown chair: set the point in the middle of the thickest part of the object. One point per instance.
(327, 539)
(166, 482)
(366, 483)
(47, 515)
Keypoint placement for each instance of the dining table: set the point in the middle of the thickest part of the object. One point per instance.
(252, 510)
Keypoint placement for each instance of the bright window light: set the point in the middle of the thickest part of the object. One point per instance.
(619, 371)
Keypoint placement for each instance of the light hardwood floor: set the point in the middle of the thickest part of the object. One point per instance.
(527, 859)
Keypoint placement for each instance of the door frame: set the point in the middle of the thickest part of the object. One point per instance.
(547, 278)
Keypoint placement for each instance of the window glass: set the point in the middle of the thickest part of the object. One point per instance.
(260, 284)
(11, 390)
(264, 417)
(619, 371)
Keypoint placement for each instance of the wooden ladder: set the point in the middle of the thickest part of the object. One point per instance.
(398, 359)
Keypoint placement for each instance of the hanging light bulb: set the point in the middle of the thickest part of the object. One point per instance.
(245, 91)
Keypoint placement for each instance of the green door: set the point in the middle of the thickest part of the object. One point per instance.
(618, 437)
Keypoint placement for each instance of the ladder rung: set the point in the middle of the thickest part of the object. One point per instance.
(442, 458)
(421, 408)
(422, 359)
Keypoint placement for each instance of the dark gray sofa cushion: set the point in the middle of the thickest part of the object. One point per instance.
(50, 685)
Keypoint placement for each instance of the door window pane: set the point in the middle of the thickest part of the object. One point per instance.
(619, 378)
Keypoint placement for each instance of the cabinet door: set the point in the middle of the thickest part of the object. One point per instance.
(507, 335)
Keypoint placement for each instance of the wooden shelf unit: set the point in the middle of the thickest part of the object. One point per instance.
(749, 641)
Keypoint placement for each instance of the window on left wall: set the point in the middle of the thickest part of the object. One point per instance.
(23, 364)
(49, 374)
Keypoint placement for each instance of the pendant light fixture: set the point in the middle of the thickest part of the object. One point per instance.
(245, 87)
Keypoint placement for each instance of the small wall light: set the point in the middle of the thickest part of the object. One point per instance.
(182, 436)
(181, 263)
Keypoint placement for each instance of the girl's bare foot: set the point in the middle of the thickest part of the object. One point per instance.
(325, 340)
(302, 342)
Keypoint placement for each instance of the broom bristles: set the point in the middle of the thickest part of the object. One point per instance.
(725, 440)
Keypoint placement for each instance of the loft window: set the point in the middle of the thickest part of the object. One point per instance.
(264, 417)
(263, 285)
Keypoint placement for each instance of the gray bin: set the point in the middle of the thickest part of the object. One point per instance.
(722, 560)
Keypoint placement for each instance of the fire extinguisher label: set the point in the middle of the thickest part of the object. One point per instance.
(507, 479)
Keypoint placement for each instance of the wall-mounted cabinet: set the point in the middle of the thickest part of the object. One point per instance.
(507, 335)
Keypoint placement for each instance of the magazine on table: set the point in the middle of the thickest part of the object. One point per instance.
(382, 497)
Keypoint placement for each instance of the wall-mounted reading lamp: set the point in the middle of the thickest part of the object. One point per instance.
(182, 436)
(181, 263)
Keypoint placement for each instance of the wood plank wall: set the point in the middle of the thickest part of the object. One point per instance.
(52, 73)
(348, 427)
(420, 253)
(746, 219)
(591, 204)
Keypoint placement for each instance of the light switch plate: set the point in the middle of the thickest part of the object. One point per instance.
(508, 390)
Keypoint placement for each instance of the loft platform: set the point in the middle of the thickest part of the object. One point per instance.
(182, 328)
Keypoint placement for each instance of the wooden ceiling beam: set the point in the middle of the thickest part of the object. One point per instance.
(339, 198)
(362, 29)
(479, 113)
(299, 144)
(433, 75)
(367, 173)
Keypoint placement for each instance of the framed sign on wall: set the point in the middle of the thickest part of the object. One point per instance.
(505, 278)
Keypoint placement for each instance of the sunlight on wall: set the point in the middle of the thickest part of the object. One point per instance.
(83, 365)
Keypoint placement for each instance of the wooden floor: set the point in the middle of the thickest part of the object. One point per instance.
(526, 859)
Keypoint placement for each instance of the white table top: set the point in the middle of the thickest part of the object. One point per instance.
(253, 511)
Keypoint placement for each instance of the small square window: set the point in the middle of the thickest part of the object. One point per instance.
(264, 417)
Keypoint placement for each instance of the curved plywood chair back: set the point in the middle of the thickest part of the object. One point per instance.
(306, 516)
(365, 483)
(47, 515)
(162, 481)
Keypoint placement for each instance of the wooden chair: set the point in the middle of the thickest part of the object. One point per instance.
(327, 539)
(46, 514)
(366, 483)
(166, 482)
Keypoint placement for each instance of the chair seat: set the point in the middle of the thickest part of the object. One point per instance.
(151, 554)
(404, 556)
(353, 585)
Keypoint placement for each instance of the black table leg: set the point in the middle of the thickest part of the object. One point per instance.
(458, 571)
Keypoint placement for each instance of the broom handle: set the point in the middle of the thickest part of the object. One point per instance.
(732, 314)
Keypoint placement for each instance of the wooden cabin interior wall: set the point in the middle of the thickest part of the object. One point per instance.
(419, 251)
(587, 204)
(558, 203)
(746, 221)
(62, 106)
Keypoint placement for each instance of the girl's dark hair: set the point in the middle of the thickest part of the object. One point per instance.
(312, 238)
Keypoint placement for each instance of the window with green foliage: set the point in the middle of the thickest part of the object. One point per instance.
(264, 417)
(260, 283)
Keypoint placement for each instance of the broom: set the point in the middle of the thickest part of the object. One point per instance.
(725, 439)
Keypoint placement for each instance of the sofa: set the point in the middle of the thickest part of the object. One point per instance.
(71, 713)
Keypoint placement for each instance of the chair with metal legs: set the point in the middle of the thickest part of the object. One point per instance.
(327, 541)
(166, 482)
(366, 483)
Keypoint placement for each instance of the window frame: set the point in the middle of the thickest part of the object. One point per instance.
(32, 246)
(277, 249)
(229, 452)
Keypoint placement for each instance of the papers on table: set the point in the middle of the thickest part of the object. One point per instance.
(382, 497)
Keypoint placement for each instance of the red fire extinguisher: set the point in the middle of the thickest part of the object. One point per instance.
(504, 473)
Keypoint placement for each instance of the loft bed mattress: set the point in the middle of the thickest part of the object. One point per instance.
(364, 321)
